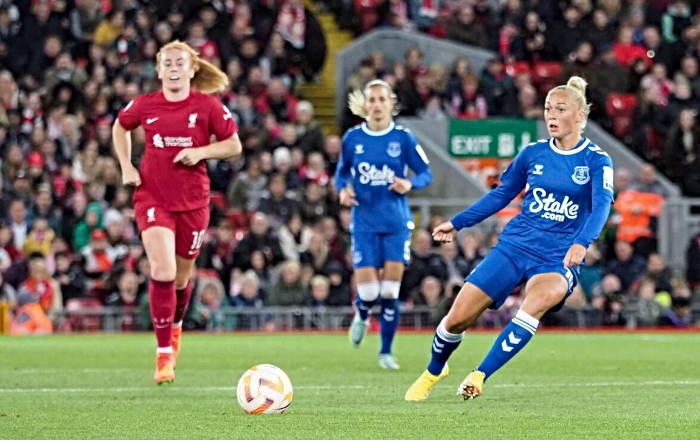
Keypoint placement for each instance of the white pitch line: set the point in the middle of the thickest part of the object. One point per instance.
(348, 387)
(135, 389)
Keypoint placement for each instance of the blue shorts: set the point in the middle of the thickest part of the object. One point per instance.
(373, 250)
(505, 267)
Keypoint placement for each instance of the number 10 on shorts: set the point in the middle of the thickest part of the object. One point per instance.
(197, 241)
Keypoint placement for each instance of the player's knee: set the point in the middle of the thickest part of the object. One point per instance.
(369, 291)
(390, 289)
(162, 272)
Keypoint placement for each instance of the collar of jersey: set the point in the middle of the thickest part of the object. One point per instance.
(581, 146)
(366, 129)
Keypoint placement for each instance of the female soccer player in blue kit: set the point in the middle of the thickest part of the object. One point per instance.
(568, 193)
(375, 157)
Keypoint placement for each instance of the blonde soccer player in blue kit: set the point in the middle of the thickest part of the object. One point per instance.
(372, 178)
(568, 193)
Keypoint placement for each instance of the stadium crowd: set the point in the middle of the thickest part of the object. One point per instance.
(278, 236)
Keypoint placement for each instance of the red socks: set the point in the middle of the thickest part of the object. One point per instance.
(161, 298)
(183, 300)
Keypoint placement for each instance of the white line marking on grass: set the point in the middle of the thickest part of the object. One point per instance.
(347, 387)
(136, 389)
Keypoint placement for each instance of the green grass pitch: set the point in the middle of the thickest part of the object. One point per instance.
(562, 386)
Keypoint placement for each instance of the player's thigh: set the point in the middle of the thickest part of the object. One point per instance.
(157, 230)
(190, 231)
(396, 252)
(547, 290)
(366, 251)
(470, 303)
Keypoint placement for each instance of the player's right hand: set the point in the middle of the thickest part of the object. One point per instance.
(131, 176)
(444, 232)
(347, 197)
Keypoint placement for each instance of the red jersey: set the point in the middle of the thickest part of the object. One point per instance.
(171, 126)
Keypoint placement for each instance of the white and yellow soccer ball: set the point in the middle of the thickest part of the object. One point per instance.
(264, 389)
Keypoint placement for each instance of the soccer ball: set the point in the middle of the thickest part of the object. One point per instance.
(264, 389)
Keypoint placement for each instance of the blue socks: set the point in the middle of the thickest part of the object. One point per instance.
(511, 340)
(444, 343)
(388, 323)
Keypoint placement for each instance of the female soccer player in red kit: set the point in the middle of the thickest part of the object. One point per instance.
(171, 200)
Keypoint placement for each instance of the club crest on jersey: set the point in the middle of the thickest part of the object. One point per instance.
(359, 149)
(581, 175)
(158, 141)
(193, 120)
(394, 149)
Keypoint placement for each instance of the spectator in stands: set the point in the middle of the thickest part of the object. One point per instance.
(276, 204)
(249, 296)
(127, 292)
(260, 237)
(70, 277)
(626, 265)
(678, 16)
(248, 188)
(289, 289)
(647, 181)
(209, 301)
(92, 221)
(319, 290)
(591, 272)
(42, 287)
(470, 248)
(109, 28)
(340, 293)
(294, 237)
(469, 102)
(498, 89)
(638, 216)
(310, 135)
(678, 315)
(278, 101)
(304, 37)
(463, 28)
(39, 238)
(30, 318)
(682, 153)
(610, 298)
(424, 262)
(611, 78)
(217, 253)
(643, 307)
(8, 294)
(19, 222)
(681, 98)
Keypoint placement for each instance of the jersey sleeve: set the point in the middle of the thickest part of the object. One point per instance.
(130, 116)
(601, 200)
(342, 172)
(221, 121)
(513, 181)
(419, 163)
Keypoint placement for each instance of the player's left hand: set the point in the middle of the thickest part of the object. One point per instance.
(575, 256)
(188, 156)
(401, 185)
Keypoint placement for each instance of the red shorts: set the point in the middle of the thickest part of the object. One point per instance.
(189, 226)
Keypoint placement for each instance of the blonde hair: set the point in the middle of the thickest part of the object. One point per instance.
(576, 87)
(357, 99)
(207, 77)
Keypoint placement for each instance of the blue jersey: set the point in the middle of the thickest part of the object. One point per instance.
(567, 198)
(370, 160)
